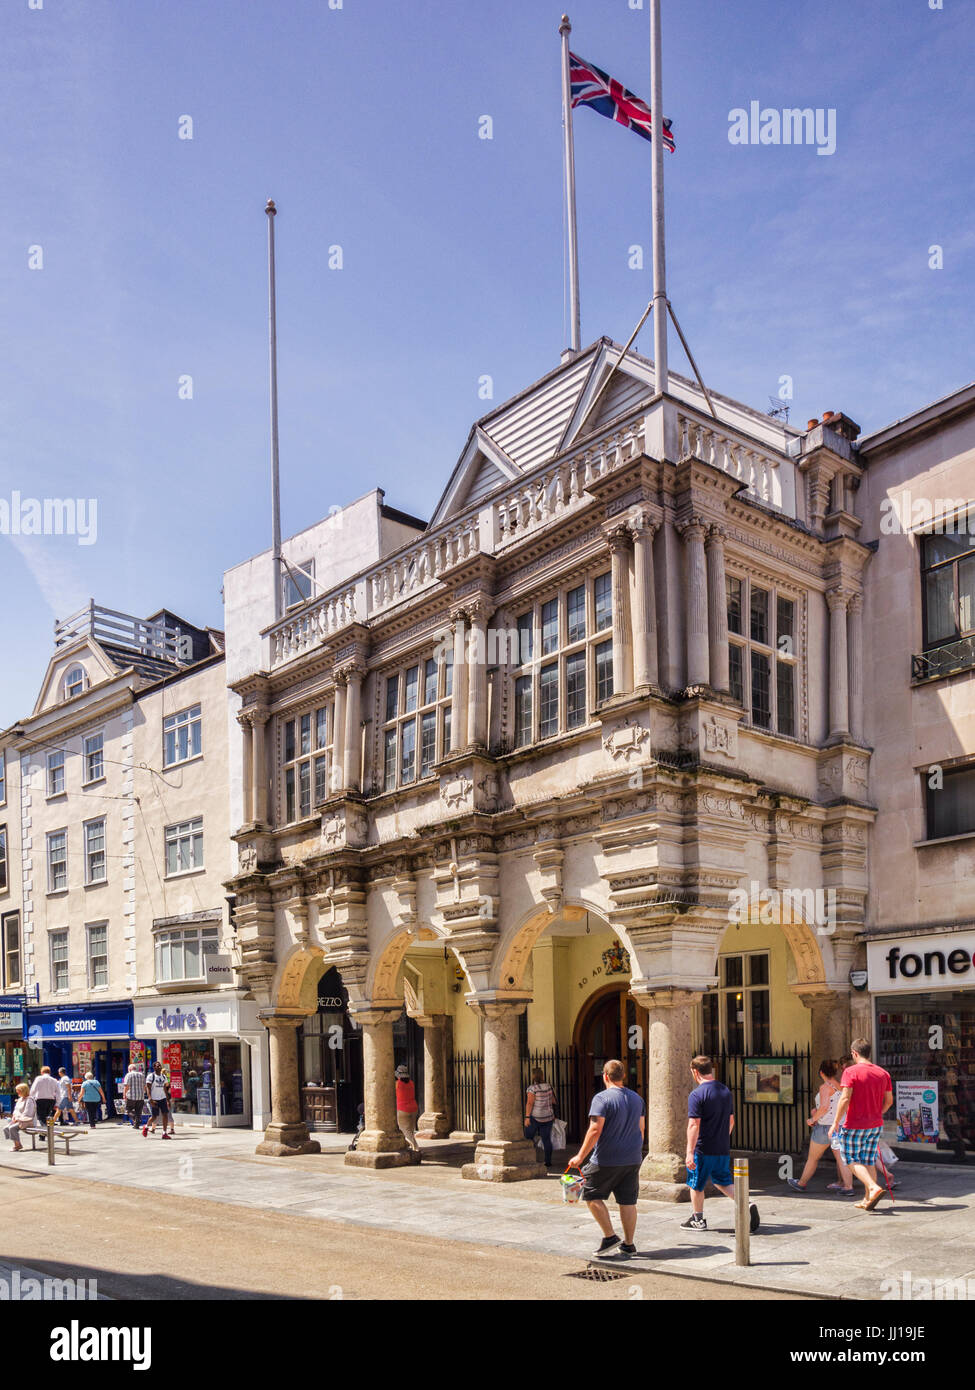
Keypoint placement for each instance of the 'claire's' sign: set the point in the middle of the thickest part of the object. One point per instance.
(194, 1020)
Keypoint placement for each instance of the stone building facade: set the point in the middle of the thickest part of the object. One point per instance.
(528, 758)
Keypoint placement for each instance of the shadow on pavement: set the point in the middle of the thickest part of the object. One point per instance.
(114, 1284)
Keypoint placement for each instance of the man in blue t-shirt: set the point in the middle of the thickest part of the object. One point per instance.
(710, 1120)
(615, 1137)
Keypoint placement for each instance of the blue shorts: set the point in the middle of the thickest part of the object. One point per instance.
(716, 1167)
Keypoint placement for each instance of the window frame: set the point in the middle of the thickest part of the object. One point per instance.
(10, 980)
(290, 801)
(87, 754)
(531, 676)
(188, 724)
(721, 992)
(930, 793)
(54, 938)
(91, 972)
(51, 886)
(207, 934)
(752, 648)
(4, 861)
(65, 680)
(189, 834)
(51, 767)
(953, 564)
(414, 711)
(85, 831)
(288, 583)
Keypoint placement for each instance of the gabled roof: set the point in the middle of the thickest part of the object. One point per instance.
(564, 407)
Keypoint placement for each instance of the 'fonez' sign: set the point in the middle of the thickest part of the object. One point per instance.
(917, 964)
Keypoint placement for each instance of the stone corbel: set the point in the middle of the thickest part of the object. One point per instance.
(548, 857)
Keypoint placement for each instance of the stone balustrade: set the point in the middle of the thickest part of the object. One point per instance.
(753, 466)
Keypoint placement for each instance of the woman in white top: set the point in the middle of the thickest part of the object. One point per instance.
(822, 1116)
(25, 1114)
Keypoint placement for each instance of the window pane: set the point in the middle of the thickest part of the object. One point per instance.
(548, 701)
(951, 808)
(761, 709)
(289, 741)
(734, 1022)
(305, 734)
(575, 605)
(759, 1010)
(428, 742)
(526, 644)
(412, 687)
(550, 626)
(735, 673)
(304, 788)
(575, 690)
(445, 743)
(191, 955)
(759, 615)
(939, 605)
(408, 763)
(603, 596)
(785, 624)
(758, 970)
(392, 697)
(448, 681)
(321, 727)
(430, 682)
(604, 671)
(289, 794)
(732, 972)
(389, 760)
(936, 548)
(966, 594)
(523, 711)
(196, 733)
(321, 779)
(785, 695)
(734, 604)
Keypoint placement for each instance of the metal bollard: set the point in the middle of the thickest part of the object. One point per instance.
(50, 1141)
(742, 1221)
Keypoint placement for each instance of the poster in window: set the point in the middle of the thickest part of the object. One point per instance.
(770, 1080)
(918, 1118)
(173, 1063)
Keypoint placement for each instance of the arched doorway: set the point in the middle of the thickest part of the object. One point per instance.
(330, 1060)
(610, 1024)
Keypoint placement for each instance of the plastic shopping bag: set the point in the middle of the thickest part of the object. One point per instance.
(572, 1184)
(558, 1134)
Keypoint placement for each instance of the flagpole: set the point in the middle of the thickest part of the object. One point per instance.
(575, 324)
(271, 211)
(661, 375)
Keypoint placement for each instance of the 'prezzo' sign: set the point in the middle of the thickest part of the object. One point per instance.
(917, 964)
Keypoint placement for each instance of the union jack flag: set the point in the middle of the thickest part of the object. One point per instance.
(593, 87)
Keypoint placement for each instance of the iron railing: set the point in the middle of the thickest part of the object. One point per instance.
(769, 1126)
(468, 1092)
(944, 661)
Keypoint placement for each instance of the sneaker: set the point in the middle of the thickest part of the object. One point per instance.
(627, 1251)
(607, 1244)
(694, 1223)
(795, 1184)
(753, 1219)
(145, 1131)
(166, 1136)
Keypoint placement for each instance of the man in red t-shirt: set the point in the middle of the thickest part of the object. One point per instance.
(867, 1092)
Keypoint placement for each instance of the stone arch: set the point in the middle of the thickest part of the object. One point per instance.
(298, 976)
(385, 963)
(799, 934)
(514, 953)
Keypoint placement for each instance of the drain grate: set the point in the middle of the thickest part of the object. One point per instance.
(599, 1274)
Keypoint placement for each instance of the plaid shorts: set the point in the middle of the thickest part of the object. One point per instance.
(860, 1145)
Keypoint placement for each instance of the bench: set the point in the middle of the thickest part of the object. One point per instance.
(64, 1134)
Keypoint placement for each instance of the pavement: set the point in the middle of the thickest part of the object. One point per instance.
(812, 1244)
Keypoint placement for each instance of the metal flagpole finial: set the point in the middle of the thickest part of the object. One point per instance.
(565, 27)
(271, 210)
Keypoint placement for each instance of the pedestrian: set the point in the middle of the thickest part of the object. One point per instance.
(360, 1124)
(617, 1123)
(65, 1098)
(44, 1094)
(540, 1102)
(92, 1098)
(134, 1094)
(822, 1116)
(157, 1094)
(24, 1115)
(407, 1109)
(867, 1093)
(710, 1120)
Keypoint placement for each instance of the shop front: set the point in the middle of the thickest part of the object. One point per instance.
(85, 1038)
(204, 1043)
(16, 1062)
(923, 989)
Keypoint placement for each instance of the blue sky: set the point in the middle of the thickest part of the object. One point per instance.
(362, 123)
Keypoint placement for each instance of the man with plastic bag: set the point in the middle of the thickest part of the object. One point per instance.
(617, 1120)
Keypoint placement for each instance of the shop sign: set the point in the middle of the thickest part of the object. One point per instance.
(219, 970)
(918, 1120)
(917, 964)
(179, 1021)
(188, 1017)
(80, 1021)
(12, 1021)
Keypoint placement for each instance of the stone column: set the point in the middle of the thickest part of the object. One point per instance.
(478, 614)
(504, 1154)
(669, 1083)
(855, 654)
(717, 610)
(259, 779)
(381, 1144)
(247, 764)
(696, 604)
(619, 545)
(338, 736)
(830, 1031)
(645, 671)
(458, 703)
(287, 1134)
(352, 752)
(435, 1122)
(839, 698)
